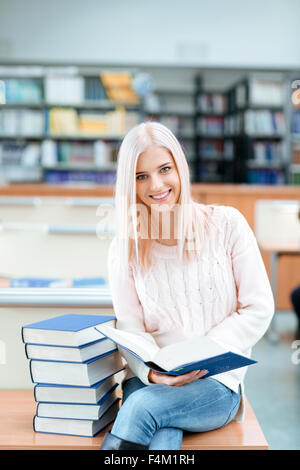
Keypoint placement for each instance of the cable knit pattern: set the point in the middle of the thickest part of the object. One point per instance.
(224, 292)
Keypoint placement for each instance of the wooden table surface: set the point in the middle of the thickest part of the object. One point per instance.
(17, 409)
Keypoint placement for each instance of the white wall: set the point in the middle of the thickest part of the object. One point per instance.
(231, 33)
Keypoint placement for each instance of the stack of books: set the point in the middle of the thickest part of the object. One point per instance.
(72, 366)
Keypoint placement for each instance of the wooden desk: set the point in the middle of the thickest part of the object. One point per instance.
(276, 251)
(17, 408)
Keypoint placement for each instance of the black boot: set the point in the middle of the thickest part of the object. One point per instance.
(111, 442)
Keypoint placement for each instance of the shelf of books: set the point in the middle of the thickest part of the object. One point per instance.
(61, 125)
(214, 152)
(174, 107)
(241, 133)
(256, 115)
(295, 132)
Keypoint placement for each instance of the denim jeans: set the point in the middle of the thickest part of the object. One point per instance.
(156, 415)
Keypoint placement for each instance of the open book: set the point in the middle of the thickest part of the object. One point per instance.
(177, 358)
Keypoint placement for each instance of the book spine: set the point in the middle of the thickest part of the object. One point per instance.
(34, 393)
(26, 352)
(33, 423)
(30, 371)
(22, 334)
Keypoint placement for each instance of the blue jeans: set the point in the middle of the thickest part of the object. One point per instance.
(156, 415)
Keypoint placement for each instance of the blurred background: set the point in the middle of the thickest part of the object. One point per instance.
(74, 78)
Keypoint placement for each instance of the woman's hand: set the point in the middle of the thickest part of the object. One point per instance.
(158, 378)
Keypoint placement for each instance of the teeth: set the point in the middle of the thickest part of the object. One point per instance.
(160, 197)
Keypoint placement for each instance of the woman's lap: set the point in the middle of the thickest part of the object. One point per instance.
(199, 406)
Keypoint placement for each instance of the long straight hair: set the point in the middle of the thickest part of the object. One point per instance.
(192, 219)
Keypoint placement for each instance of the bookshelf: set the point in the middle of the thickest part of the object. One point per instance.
(174, 107)
(213, 150)
(294, 128)
(241, 133)
(256, 120)
(64, 125)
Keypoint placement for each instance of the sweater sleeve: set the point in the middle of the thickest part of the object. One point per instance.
(242, 329)
(128, 310)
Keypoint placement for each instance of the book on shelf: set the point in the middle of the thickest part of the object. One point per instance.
(178, 358)
(69, 154)
(211, 148)
(71, 329)
(295, 125)
(62, 121)
(118, 87)
(51, 393)
(93, 89)
(214, 103)
(23, 154)
(268, 152)
(85, 177)
(21, 122)
(64, 89)
(93, 122)
(210, 125)
(265, 176)
(19, 90)
(296, 153)
(264, 122)
(266, 92)
(76, 427)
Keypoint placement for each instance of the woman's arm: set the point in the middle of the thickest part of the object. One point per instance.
(255, 304)
(128, 310)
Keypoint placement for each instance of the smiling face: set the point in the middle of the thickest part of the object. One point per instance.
(157, 179)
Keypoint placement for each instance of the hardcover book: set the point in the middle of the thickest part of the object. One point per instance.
(178, 358)
(65, 330)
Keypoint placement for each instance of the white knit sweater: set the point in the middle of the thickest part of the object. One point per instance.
(223, 293)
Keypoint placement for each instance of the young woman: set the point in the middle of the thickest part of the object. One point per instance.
(179, 270)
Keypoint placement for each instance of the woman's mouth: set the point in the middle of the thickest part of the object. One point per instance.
(161, 197)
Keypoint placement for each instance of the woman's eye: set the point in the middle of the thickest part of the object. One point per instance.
(166, 168)
(140, 177)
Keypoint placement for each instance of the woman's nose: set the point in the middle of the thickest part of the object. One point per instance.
(156, 184)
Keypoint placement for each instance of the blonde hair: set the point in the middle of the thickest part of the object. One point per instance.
(192, 223)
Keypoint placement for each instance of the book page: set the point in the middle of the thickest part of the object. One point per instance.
(131, 341)
(184, 352)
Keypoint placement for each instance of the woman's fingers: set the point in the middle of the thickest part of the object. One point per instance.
(179, 379)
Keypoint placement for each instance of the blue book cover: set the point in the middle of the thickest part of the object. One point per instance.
(70, 322)
(65, 330)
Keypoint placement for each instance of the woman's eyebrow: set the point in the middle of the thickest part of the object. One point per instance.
(168, 163)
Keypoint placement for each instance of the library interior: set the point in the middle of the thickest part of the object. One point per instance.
(75, 79)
